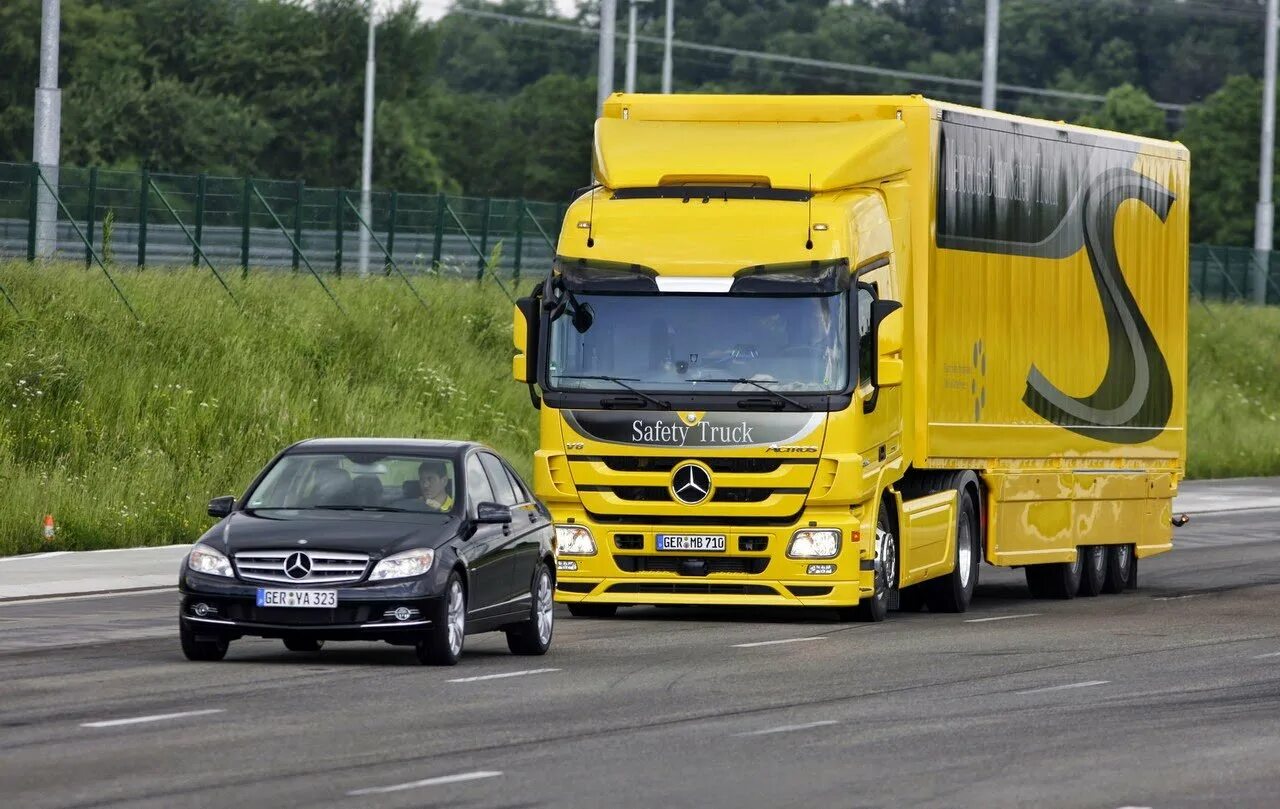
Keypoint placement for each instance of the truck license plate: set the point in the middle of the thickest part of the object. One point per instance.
(701, 543)
(323, 599)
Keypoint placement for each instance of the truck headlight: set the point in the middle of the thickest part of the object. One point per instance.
(211, 561)
(814, 543)
(403, 565)
(574, 540)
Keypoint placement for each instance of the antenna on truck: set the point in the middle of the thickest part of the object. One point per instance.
(808, 230)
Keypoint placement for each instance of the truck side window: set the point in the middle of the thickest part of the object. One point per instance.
(866, 349)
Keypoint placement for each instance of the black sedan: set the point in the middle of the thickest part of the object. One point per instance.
(416, 543)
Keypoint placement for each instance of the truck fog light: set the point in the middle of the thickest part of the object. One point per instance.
(814, 543)
(821, 570)
(566, 564)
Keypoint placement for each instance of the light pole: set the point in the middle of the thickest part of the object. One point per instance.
(1264, 219)
(366, 156)
(990, 49)
(48, 128)
(631, 47)
(604, 70)
(666, 52)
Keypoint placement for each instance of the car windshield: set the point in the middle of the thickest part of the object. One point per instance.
(358, 482)
(707, 343)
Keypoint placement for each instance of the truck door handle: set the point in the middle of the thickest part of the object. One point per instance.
(882, 453)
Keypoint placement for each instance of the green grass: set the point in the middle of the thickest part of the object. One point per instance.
(124, 431)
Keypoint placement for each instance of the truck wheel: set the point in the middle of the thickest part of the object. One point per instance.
(1056, 580)
(1095, 570)
(874, 609)
(592, 610)
(953, 592)
(1122, 569)
(911, 599)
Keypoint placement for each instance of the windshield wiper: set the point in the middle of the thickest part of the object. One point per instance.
(365, 508)
(742, 380)
(621, 382)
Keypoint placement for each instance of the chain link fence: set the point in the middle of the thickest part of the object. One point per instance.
(145, 219)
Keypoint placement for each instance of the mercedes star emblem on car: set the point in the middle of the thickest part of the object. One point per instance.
(297, 566)
(690, 484)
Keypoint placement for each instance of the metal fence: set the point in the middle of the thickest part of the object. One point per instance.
(152, 219)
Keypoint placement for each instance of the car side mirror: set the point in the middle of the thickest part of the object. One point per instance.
(493, 513)
(220, 507)
(890, 327)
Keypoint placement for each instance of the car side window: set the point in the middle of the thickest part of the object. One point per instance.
(498, 477)
(522, 493)
(478, 488)
(866, 350)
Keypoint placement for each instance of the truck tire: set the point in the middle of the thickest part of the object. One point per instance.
(1059, 580)
(1095, 570)
(954, 591)
(873, 610)
(911, 599)
(1122, 569)
(592, 610)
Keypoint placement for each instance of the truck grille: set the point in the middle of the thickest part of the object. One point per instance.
(325, 567)
(725, 494)
(671, 564)
(628, 463)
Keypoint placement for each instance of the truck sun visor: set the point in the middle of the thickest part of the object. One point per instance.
(582, 275)
(798, 278)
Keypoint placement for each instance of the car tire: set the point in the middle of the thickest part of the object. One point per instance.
(954, 591)
(533, 636)
(206, 651)
(1122, 569)
(593, 610)
(1060, 580)
(443, 644)
(873, 610)
(1094, 570)
(303, 644)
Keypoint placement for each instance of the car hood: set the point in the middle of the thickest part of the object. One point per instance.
(375, 533)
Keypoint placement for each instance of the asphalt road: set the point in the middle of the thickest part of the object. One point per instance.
(1164, 697)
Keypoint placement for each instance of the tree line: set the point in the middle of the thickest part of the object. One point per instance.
(473, 104)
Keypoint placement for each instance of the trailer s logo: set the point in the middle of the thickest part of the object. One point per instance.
(1019, 191)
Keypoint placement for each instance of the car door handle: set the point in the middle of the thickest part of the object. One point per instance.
(533, 517)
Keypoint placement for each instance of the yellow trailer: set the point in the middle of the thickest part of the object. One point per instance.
(833, 351)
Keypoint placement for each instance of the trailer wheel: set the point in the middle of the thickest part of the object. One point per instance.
(1094, 573)
(1122, 569)
(953, 592)
(1056, 580)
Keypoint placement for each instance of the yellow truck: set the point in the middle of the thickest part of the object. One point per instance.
(835, 351)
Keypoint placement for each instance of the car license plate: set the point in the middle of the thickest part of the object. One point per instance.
(323, 599)
(690, 542)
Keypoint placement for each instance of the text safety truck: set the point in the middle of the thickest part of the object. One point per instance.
(836, 351)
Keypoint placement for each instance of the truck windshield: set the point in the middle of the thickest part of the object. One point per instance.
(705, 343)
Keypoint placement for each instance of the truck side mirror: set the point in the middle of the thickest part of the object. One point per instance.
(890, 326)
(524, 334)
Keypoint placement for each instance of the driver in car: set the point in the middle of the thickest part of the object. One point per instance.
(434, 478)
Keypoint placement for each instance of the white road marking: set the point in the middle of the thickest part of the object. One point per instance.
(788, 728)
(29, 556)
(1179, 598)
(428, 782)
(138, 720)
(1002, 618)
(502, 676)
(1085, 684)
(1265, 656)
(1134, 807)
(776, 642)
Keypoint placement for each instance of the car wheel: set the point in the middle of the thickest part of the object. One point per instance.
(875, 608)
(1059, 580)
(1094, 571)
(593, 610)
(1122, 569)
(533, 637)
(443, 645)
(303, 644)
(202, 650)
(953, 592)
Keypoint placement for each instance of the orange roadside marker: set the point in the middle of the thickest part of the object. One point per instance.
(49, 528)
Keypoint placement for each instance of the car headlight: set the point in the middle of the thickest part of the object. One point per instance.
(814, 543)
(403, 565)
(574, 540)
(204, 559)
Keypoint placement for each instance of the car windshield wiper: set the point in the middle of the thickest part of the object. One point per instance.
(742, 380)
(365, 508)
(621, 382)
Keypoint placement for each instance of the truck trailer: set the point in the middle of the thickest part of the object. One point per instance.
(835, 351)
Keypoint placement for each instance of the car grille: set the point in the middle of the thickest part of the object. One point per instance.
(327, 567)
